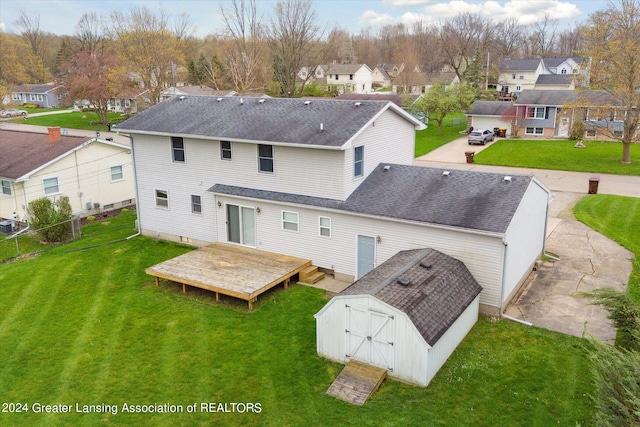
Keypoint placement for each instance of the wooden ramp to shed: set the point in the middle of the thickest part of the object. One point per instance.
(357, 382)
(231, 270)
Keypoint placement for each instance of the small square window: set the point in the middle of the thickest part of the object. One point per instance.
(521, 76)
(196, 204)
(116, 173)
(591, 133)
(358, 161)
(325, 226)
(290, 221)
(513, 76)
(177, 149)
(225, 150)
(162, 199)
(6, 187)
(50, 186)
(265, 158)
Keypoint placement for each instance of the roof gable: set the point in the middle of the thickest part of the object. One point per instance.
(319, 122)
(437, 289)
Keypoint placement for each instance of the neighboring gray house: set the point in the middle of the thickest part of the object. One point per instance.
(407, 315)
(327, 180)
(46, 95)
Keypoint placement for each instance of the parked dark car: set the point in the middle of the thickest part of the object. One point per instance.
(480, 136)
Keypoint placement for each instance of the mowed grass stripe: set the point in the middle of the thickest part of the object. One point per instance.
(23, 352)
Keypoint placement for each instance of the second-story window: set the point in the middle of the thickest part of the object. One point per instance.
(358, 161)
(177, 149)
(225, 150)
(265, 158)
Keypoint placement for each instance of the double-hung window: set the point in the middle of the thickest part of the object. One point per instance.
(358, 161)
(535, 112)
(162, 199)
(117, 173)
(225, 150)
(5, 187)
(177, 149)
(265, 158)
(324, 223)
(50, 186)
(196, 204)
(290, 221)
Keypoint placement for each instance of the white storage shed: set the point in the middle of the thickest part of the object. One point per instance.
(407, 315)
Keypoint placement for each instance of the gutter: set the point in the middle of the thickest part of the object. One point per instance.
(135, 181)
(513, 319)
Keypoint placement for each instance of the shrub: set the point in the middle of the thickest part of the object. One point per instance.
(30, 106)
(51, 219)
(577, 130)
(91, 218)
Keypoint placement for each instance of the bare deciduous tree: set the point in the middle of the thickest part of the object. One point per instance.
(462, 36)
(543, 37)
(89, 35)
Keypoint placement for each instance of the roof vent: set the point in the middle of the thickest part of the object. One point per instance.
(446, 173)
(219, 99)
(321, 127)
(507, 178)
(404, 282)
(426, 265)
(241, 101)
(182, 97)
(307, 102)
(386, 168)
(357, 104)
(261, 101)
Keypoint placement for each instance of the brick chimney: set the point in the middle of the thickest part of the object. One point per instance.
(54, 135)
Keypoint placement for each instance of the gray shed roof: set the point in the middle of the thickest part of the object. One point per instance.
(489, 108)
(462, 199)
(316, 122)
(437, 289)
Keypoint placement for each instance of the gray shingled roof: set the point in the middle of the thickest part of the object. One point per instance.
(35, 88)
(489, 108)
(554, 79)
(520, 64)
(344, 68)
(554, 62)
(463, 199)
(560, 97)
(439, 289)
(276, 120)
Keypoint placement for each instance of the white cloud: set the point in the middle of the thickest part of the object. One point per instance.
(3, 27)
(375, 19)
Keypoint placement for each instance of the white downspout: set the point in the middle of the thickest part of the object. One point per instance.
(135, 186)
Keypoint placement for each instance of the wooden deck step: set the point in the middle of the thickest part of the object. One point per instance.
(357, 382)
(311, 275)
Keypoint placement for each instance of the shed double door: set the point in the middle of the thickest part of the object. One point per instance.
(370, 336)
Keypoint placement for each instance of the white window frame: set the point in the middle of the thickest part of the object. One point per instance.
(532, 130)
(226, 150)
(5, 188)
(45, 186)
(175, 150)
(166, 198)
(357, 162)
(535, 112)
(196, 207)
(326, 227)
(294, 223)
(518, 88)
(121, 173)
(273, 162)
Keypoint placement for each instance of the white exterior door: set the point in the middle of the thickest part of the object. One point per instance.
(366, 254)
(370, 336)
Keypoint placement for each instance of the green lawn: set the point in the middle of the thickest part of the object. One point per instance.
(428, 140)
(87, 120)
(598, 157)
(618, 218)
(89, 327)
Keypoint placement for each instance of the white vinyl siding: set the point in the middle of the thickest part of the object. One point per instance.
(5, 187)
(116, 173)
(162, 199)
(50, 186)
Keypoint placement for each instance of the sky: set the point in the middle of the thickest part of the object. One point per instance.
(61, 16)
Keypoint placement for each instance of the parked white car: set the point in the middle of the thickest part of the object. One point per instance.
(480, 136)
(13, 112)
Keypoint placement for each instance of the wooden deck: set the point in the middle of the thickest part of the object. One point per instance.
(357, 382)
(231, 270)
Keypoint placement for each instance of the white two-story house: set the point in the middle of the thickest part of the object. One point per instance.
(330, 181)
(347, 78)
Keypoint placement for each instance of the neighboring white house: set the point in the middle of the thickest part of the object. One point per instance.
(327, 180)
(350, 78)
(407, 315)
(517, 75)
(95, 174)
